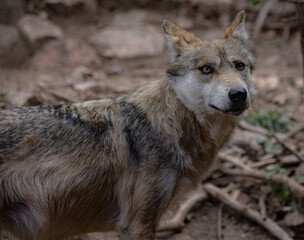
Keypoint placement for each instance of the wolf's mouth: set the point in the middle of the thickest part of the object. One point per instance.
(234, 111)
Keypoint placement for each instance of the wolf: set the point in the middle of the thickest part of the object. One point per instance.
(120, 163)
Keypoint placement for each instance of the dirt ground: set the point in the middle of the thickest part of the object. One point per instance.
(70, 69)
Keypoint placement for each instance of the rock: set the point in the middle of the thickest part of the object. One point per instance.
(37, 30)
(50, 56)
(299, 82)
(92, 87)
(283, 96)
(70, 6)
(267, 83)
(79, 52)
(129, 42)
(66, 52)
(293, 219)
(13, 51)
(22, 98)
(80, 74)
(85, 86)
(137, 16)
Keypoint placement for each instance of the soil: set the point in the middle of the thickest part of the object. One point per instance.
(50, 77)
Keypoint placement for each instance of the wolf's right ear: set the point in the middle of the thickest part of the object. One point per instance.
(237, 30)
(178, 38)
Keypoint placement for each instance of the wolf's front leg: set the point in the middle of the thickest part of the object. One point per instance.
(137, 231)
(148, 199)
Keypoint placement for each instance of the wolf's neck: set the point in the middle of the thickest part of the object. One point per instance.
(197, 142)
(161, 106)
(170, 116)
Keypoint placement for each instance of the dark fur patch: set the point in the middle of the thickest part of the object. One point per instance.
(52, 129)
(21, 218)
(142, 139)
(146, 145)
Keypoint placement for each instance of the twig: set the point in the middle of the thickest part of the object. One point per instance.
(293, 131)
(245, 126)
(267, 223)
(262, 206)
(278, 138)
(286, 34)
(261, 18)
(286, 146)
(247, 171)
(219, 232)
(263, 163)
(177, 222)
(300, 14)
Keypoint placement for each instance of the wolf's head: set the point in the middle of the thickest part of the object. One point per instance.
(211, 77)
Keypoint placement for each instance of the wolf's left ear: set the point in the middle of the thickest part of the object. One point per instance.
(237, 28)
(178, 38)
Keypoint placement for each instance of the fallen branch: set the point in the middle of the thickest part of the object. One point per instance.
(177, 222)
(293, 131)
(279, 139)
(247, 171)
(300, 14)
(219, 223)
(262, 17)
(245, 126)
(262, 206)
(267, 223)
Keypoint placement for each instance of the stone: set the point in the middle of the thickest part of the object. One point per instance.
(22, 98)
(79, 52)
(267, 83)
(37, 30)
(13, 51)
(66, 52)
(68, 6)
(80, 74)
(294, 219)
(127, 42)
(137, 16)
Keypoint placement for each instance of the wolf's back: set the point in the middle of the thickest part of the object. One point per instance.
(44, 131)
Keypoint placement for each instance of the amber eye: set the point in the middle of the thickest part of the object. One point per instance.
(239, 66)
(206, 69)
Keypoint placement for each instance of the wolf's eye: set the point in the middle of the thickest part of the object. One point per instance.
(206, 69)
(239, 66)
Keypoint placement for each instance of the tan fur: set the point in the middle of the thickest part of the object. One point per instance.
(120, 163)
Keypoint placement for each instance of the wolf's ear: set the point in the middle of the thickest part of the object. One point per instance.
(237, 28)
(177, 38)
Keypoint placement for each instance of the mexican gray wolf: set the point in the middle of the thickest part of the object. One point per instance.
(119, 163)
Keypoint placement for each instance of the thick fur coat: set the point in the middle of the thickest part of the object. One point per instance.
(119, 163)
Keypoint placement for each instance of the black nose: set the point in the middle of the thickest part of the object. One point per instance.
(237, 95)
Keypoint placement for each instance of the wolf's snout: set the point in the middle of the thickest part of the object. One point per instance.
(237, 95)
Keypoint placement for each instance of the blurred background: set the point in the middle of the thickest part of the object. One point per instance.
(64, 51)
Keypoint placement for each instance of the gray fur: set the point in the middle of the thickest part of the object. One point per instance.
(120, 163)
